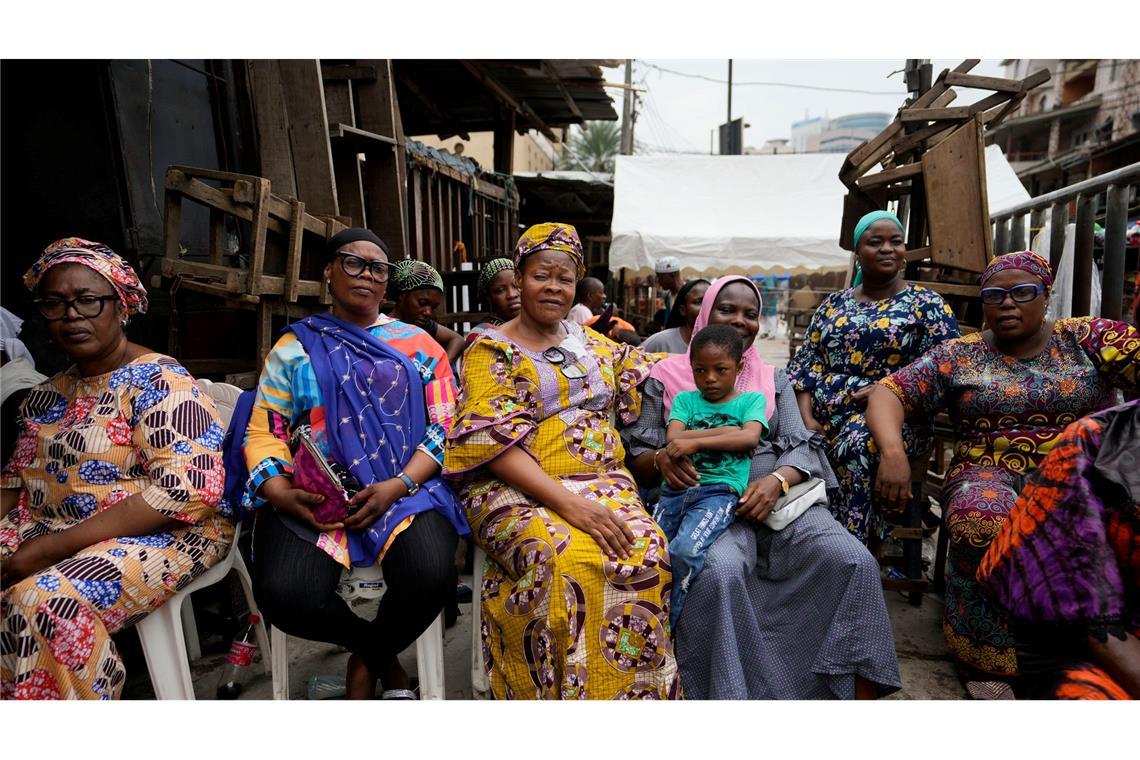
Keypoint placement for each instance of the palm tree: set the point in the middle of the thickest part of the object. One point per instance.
(592, 147)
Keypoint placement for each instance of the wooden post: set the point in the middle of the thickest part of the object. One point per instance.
(504, 143)
(217, 236)
(1058, 221)
(1083, 256)
(172, 216)
(1001, 237)
(293, 256)
(1112, 279)
(259, 230)
(1036, 222)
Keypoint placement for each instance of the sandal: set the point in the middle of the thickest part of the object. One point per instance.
(399, 694)
(989, 690)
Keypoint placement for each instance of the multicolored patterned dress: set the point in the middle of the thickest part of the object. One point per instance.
(560, 619)
(849, 346)
(288, 394)
(1066, 564)
(1008, 414)
(88, 443)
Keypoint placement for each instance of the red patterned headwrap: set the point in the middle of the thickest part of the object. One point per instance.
(95, 256)
(1026, 261)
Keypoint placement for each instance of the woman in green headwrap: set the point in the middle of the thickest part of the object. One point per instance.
(857, 337)
(499, 292)
(419, 293)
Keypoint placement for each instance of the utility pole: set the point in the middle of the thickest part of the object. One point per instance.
(626, 147)
(729, 92)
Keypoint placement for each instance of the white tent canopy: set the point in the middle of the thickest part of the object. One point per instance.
(744, 214)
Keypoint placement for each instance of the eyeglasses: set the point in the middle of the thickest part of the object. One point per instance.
(55, 309)
(1019, 293)
(354, 266)
(558, 358)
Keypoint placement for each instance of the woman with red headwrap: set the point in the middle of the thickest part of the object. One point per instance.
(1010, 391)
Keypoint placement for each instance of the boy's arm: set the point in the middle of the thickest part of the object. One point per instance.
(730, 438)
(675, 430)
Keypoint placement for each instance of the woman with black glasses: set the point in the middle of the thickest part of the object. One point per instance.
(575, 599)
(373, 397)
(111, 500)
(1010, 391)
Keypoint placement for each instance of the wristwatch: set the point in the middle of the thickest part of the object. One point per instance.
(782, 479)
(413, 486)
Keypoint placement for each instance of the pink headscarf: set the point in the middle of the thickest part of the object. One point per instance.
(676, 373)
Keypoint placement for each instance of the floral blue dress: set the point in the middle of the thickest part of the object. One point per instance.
(851, 345)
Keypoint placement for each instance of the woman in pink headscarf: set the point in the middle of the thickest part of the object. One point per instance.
(796, 613)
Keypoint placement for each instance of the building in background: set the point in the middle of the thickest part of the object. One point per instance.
(845, 133)
(1083, 122)
(839, 135)
(532, 151)
(780, 145)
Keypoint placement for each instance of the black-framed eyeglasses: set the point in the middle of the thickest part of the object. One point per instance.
(558, 358)
(55, 309)
(1019, 293)
(354, 266)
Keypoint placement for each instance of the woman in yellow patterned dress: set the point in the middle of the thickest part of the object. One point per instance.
(111, 499)
(575, 599)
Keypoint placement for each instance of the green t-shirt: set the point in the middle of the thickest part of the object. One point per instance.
(729, 467)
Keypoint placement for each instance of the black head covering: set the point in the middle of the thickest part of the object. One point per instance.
(353, 235)
(675, 318)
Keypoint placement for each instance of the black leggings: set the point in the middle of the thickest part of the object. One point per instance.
(295, 586)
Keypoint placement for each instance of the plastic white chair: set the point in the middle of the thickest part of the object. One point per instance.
(429, 646)
(480, 683)
(169, 635)
(163, 639)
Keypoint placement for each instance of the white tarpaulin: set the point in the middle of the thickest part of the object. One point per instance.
(744, 214)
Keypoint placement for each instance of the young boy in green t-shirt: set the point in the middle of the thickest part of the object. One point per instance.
(717, 427)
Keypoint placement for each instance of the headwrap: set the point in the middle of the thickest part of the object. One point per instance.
(551, 236)
(1026, 261)
(95, 256)
(667, 265)
(676, 372)
(353, 235)
(490, 270)
(409, 275)
(860, 227)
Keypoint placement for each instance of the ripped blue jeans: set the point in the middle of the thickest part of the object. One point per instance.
(692, 519)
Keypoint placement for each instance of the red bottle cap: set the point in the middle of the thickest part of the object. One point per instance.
(255, 619)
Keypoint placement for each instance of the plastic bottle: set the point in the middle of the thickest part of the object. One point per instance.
(238, 661)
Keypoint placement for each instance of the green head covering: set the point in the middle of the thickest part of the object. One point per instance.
(409, 275)
(866, 221)
(489, 270)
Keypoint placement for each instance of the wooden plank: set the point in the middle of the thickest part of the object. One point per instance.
(915, 139)
(954, 181)
(551, 72)
(918, 254)
(271, 120)
(860, 154)
(360, 139)
(339, 108)
(293, 255)
(1037, 78)
(385, 175)
(350, 186)
(1083, 255)
(949, 288)
(338, 72)
(172, 222)
(258, 232)
(958, 113)
(303, 88)
(976, 82)
(855, 205)
(890, 175)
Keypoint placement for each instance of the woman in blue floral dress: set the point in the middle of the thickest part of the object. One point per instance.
(856, 337)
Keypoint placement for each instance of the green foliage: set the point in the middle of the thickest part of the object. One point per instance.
(592, 147)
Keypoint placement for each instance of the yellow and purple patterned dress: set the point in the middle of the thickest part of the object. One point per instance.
(86, 444)
(560, 619)
(1007, 413)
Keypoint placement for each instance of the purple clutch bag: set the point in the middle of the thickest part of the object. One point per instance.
(314, 473)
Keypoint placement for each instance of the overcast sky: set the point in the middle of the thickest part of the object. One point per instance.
(677, 113)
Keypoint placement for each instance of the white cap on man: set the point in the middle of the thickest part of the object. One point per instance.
(668, 265)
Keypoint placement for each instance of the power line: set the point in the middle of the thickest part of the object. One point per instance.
(793, 85)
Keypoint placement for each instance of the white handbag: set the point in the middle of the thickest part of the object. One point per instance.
(795, 502)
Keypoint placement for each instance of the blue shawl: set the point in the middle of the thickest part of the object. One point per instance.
(375, 417)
